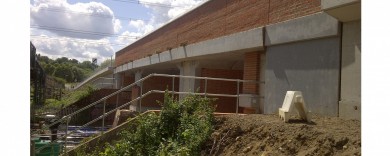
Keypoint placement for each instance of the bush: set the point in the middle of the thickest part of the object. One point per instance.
(181, 129)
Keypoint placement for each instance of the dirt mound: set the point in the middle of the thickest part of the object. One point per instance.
(268, 135)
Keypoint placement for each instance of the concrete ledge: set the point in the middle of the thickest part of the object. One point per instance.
(154, 59)
(124, 67)
(243, 41)
(141, 62)
(130, 65)
(179, 53)
(318, 25)
(165, 56)
(330, 4)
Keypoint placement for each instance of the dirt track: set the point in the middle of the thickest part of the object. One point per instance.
(269, 135)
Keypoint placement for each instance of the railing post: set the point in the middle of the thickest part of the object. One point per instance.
(104, 115)
(173, 85)
(205, 87)
(117, 100)
(66, 134)
(140, 100)
(238, 95)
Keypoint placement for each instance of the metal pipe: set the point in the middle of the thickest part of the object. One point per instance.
(205, 87)
(104, 115)
(238, 96)
(140, 100)
(173, 83)
(66, 134)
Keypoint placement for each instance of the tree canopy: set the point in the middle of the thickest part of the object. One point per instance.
(68, 69)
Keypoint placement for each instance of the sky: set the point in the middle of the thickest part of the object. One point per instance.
(83, 29)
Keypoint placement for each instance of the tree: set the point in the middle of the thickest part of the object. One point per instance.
(105, 64)
(87, 65)
(78, 74)
(62, 60)
(64, 71)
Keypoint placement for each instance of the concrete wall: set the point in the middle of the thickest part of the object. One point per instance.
(350, 101)
(308, 66)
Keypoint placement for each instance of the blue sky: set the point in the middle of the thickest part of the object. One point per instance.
(84, 29)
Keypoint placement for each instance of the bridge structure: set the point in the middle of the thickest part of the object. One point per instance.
(309, 46)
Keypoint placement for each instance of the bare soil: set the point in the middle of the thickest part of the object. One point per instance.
(268, 135)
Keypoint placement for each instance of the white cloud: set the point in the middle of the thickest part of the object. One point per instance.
(95, 20)
(141, 26)
(163, 14)
(127, 37)
(80, 49)
(162, 11)
(83, 16)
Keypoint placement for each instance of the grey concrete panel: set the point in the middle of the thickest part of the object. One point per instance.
(154, 59)
(314, 26)
(329, 4)
(350, 110)
(351, 71)
(124, 67)
(141, 62)
(249, 39)
(130, 65)
(179, 53)
(312, 67)
(165, 56)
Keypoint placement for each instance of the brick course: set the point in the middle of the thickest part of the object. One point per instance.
(214, 19)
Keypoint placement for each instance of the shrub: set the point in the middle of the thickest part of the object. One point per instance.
(181, 129)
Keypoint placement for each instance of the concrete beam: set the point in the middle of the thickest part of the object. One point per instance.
(154, 59)
(330, 4)
(141, 62)
(343, 10)
(249, 40)
(130, 65)
(318, 25)
(246, 40)
(165, 56)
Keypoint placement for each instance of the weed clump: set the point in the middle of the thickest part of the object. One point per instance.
(181, 128)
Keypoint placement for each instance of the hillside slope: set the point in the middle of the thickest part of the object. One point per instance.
(269, 135)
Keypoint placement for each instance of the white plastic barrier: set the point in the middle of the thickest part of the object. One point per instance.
(294, 102)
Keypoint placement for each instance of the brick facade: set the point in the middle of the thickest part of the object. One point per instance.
(224, 104)
(214, 19)
(154, 83)
(251, 72)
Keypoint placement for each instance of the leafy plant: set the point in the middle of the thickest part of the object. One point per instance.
(181, 128)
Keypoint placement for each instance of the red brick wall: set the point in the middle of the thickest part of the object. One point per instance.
(127, 80)
(214, 19)
(157, 83)
(251, 72)
(224, 104)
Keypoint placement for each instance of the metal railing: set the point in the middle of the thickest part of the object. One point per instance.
(67, 118)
